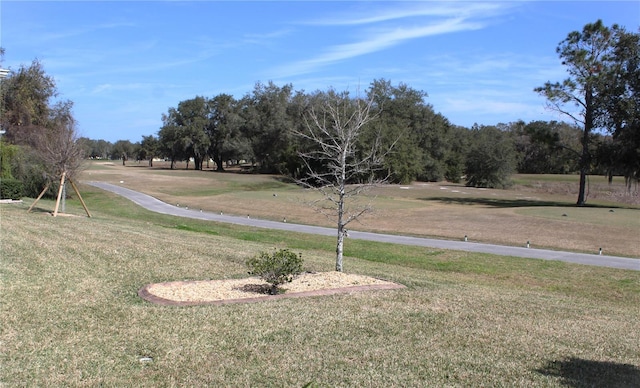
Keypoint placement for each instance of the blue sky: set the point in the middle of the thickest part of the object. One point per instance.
(124, 63)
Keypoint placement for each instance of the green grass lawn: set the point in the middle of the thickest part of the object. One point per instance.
(71, 315)
(523, 179)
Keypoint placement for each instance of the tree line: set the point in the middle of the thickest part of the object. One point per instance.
(600, 100)
(259, 129)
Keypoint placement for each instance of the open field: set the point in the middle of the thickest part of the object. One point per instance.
(540, 210)
(71, 315)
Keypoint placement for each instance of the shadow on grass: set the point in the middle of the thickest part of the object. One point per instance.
(577, 372)
(147, 167)
(506, 202)
(43, 210)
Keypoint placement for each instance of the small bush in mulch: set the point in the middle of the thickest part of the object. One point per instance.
(276, 268)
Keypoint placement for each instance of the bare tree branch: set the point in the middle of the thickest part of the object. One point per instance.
(56, 144)
(338, 164)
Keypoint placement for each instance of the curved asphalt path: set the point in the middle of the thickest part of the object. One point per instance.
(155, 205)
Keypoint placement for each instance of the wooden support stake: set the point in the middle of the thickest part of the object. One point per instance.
(37, 199)
(62, 180)
(80, 197)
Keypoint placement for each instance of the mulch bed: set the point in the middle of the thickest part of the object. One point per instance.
(149, 297)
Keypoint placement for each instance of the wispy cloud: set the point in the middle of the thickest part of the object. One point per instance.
(414, 10)
(382, 30)
(81, 31)
(102, 88)
(376, 42)
(265, 39)
(484, 85)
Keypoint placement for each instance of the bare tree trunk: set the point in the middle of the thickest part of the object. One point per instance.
(340, 248)
(341, 225)
(341, 194)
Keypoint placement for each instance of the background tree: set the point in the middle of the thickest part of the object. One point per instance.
(546, 147)
(335, 165)
(298, 109)
(27, 95)
(191, 118)
(183, 135)
(223, 128)
(267, 125)
(169, 141)
(149, 148)
(423, 139)
(583, 53)
(436, 140)
(620, 111)
(397, 109)
(96, 149)
(123, 150)
(490, 160)
(87, 146)
(455, 158)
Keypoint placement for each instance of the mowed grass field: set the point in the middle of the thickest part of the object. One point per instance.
(70, 314)
(540, 209)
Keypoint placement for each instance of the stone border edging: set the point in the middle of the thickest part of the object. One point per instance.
(149, 297)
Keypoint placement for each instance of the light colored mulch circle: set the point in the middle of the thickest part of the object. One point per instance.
(228, 291)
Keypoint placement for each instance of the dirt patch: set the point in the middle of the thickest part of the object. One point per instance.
(226, 291)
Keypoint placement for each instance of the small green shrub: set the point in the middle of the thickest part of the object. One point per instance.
(276, 268)
(11, 189)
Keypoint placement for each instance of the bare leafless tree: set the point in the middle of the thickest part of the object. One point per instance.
(339, 165)
(56, 144)
(57, 147)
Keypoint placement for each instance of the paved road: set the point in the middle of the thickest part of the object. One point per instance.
(158, 206)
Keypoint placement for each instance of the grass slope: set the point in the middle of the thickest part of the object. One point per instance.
(70, 315)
